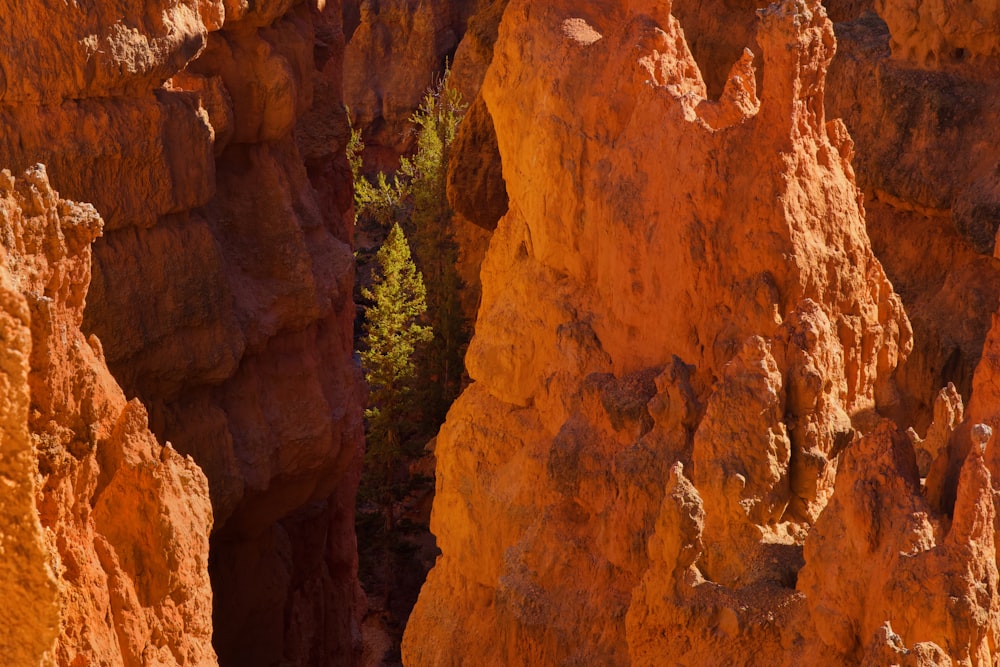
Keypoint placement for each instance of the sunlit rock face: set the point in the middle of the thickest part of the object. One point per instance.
(209, 136)
(672, 448)
(105, 530)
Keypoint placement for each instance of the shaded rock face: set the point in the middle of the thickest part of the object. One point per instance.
(105, 531)
(475, 186)
(717, 31)
(938, 32)
(395, 53)
(931, 192)
(672, 447)
(476, 189)
(209, 134)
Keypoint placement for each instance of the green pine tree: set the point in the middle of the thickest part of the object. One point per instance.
(441, 366)
(393, 335)
(383, 201)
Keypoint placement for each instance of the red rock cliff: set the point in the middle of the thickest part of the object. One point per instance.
(672, 449)
(105, 531)
(209, 136)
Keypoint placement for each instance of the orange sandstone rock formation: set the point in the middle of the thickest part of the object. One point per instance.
(209, 134)
(931, 191)
(672, 448)
(105, 539)
(936, 32)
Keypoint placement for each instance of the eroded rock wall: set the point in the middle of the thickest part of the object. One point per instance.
(396, 51)
(106, 530)
(209, 135)
(674, 446)
(931, 190)
(935, 32)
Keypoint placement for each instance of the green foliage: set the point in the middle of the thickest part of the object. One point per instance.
(441, 367)
(392, 331)
(355, 149)
(383, 202)
(437, 122)
(413, 376)
(392, 337)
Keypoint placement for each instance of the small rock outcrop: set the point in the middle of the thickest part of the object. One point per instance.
(925, 573)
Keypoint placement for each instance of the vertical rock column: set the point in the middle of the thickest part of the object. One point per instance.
(682, 324)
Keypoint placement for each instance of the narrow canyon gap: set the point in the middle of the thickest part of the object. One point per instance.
(735, 364)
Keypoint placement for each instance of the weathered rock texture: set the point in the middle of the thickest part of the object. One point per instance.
(209, 136)
(104, 531)
(672, 450)
(935, 32)
(395, 52)
(932, 193)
